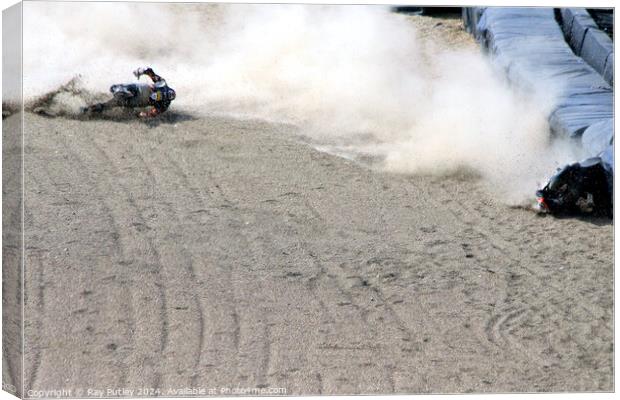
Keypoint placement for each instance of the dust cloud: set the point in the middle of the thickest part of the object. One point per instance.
(356, 80)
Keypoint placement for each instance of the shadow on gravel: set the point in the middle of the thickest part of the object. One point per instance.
(598, 221)
(120, 115)
(594, 220)
(167, 118)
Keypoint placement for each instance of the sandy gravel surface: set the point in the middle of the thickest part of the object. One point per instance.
(215, 252)
(11, 253)
(445, 31)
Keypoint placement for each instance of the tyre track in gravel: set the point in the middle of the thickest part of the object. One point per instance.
(118, 254)
(192, 204)
(356, 296)
(35, 258)
(405, 348)
(304, 271)
(516, 260)
(259, 370)
(256, 369)
(496, 323)
(200, 309)
(175, 345)
(143, 361)
(403, 333)
(35, 262)
(12, 295)
(153, 258)
(332, 280)
(244, 368)
(35, 364)
(177, 329)
(82, 317)
(324, 284)
(213, 339)
(499, 327)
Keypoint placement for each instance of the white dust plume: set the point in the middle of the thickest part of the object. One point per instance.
(355, 79)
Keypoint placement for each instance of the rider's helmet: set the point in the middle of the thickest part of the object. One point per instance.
(163, 94)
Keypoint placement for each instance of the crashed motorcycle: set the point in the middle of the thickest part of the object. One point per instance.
(581, 188)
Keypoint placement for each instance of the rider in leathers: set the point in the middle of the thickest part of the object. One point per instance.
(156, 95)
